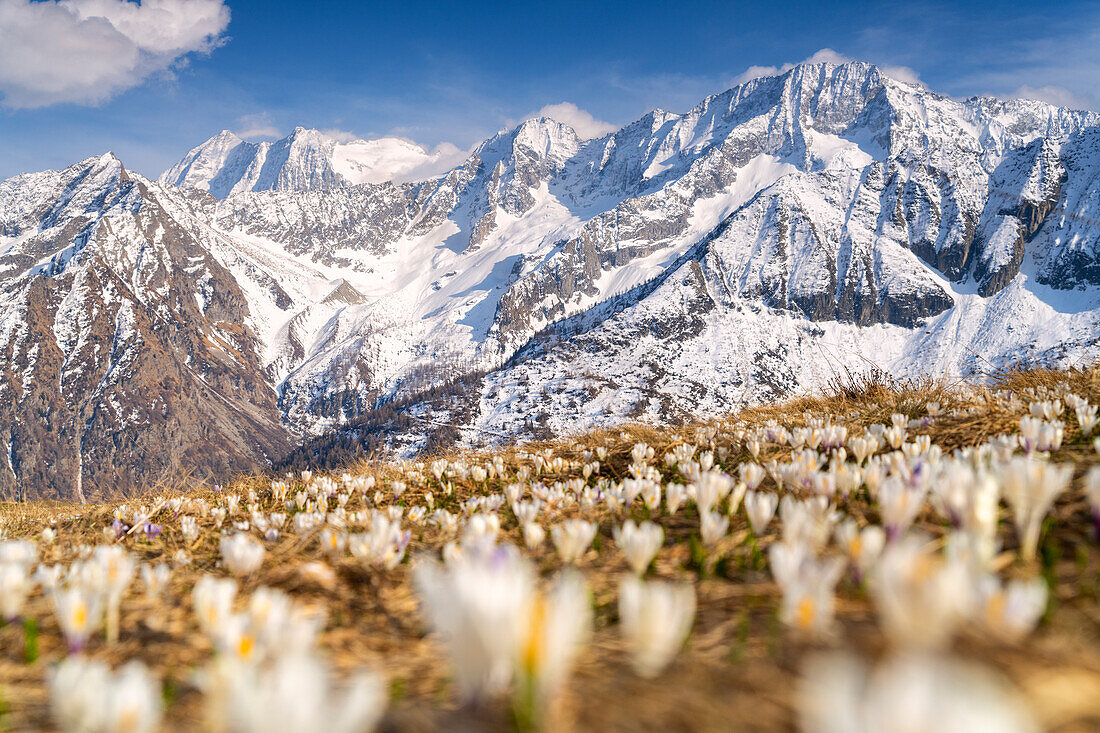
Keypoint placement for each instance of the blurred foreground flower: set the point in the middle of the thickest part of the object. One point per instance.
(558, 625)
(656, 618)
(573, 538)
(295, 693)
(479, 605)
(87, 697)
(1030, 486)
(498, 626)
(907, 694)
(16, 559)
(639, 543)
(241, 554)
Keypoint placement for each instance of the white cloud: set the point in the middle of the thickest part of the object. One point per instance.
(86, 51)
(340, 136)
(824, 56)
(394, 159)
(902, 74)
(1058, 96)
(441, 158)
(583, 123)
(258, 125)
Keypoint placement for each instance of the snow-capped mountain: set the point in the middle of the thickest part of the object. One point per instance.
(305, 160)
(777, 233)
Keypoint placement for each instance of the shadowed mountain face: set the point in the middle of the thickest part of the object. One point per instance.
(783, 230)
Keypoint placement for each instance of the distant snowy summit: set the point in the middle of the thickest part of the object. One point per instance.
(304, 160)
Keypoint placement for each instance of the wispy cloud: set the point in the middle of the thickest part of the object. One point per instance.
(968, 52)
(256, 126)
(1062, 67)
(87, 51)
(1058, 96)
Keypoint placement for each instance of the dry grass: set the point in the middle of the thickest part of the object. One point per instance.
(740, 665)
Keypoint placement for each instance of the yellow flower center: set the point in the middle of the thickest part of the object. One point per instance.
(533, 651)
(245, 646)
(807, 610)
(80, 615)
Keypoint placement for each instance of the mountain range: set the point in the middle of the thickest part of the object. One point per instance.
(291, 298)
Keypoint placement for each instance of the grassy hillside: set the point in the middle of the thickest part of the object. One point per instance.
(813, 620)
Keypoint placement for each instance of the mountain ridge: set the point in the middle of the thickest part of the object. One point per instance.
(679, 266)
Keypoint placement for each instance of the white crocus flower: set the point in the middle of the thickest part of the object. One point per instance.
(118, 567)
(656, 618)
(558, 626)
(651, 495)
(675, 494)
(241, 554)
(155, 578)
(15, 585)
(863, 547)
(639, 543)
(1012, 610)
(526, 511)
(294, 693)
(533, 535)
(751, 474)
(79, 611)
(808, 597)
(479, 603)
(713, 527)
(87, 697)
(914, 693)
(383, 546)
(760, 507)
(333, 542)
(189, 528)
(1030, 488)
(899, 504)
(19, 552)
(1092, 493)
(481, 529)
(212, 600)
(572, 539)
(807, 522)
(921, 598)
(711, 488)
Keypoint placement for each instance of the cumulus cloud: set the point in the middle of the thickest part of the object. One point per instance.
(1058, 96)
(583, 122)
(441, 158)
(86, 51)
(396, 159)
(825, 56)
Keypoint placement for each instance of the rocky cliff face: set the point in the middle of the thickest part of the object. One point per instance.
(125, 357)
(790, 227)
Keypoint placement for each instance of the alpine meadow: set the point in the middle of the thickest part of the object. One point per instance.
(780, 413)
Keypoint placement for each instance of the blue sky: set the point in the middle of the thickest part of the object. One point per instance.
(446, 72)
